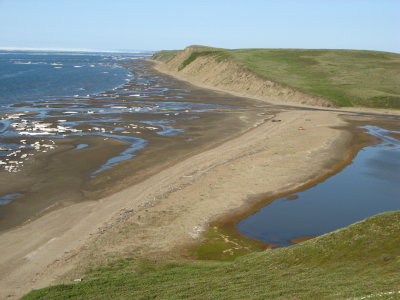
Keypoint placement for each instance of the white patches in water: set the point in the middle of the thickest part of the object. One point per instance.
(12, 164)
(34, 133)
(14, 116)
(37, 128)
(20, 62)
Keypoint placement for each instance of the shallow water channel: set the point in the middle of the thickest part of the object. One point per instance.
(368, 186)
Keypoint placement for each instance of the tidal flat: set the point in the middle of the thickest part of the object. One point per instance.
(128, 133)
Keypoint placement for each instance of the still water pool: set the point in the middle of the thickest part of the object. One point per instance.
(369, 186)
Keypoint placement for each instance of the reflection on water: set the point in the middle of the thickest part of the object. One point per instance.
(81, 146)
(370, 185)
(8, 198)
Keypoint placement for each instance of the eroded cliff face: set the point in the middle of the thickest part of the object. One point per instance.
(228, 75)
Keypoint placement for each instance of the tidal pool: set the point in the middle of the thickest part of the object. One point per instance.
(8, 198)
(369, 186)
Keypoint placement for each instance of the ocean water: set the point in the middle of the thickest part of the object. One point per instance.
(32, 76)
(45, 97)
(369, 186)
(35, 86)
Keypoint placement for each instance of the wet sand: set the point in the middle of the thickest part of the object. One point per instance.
(56, 173)
(243, 159)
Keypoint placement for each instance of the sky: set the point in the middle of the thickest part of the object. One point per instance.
(175, 24)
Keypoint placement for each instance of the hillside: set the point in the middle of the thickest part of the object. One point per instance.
(360, 260)
(313, 77)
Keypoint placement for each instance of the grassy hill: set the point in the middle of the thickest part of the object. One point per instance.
(346, 77)
(358, 261)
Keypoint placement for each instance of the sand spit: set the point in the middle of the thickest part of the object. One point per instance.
(160, 216)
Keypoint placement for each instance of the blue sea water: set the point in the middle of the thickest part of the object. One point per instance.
(69, 79)
(30, 76)
(80, 94)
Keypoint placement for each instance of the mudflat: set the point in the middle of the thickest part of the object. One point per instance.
(156, 119)
(249, 154)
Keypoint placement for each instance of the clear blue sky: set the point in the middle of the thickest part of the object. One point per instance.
(174, 24)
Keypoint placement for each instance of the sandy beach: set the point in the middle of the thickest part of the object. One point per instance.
(275, 150)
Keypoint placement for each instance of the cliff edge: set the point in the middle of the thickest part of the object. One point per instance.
(212, 68)
(316, 77)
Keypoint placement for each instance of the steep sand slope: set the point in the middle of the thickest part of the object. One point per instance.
(227, 75)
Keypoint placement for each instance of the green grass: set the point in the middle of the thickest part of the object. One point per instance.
(164, 55)
(218, 54)
(224, 245)
(346, 77)
(362, 259)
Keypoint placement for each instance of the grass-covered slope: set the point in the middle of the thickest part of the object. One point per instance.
(164, 55)
(360, 260)
(346, 77)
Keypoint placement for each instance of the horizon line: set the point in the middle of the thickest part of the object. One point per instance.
(7, 48)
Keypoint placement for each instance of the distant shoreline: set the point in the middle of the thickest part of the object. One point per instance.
(78, 50)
